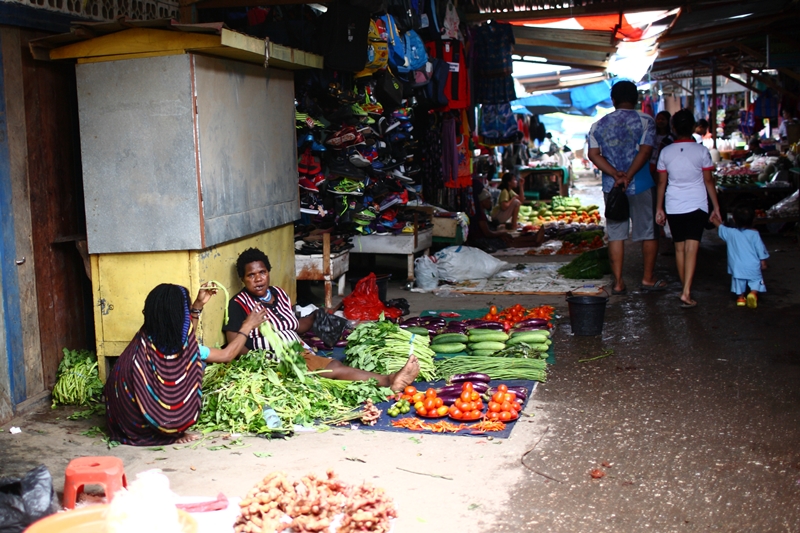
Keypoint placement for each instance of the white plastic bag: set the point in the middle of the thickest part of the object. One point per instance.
(426, 274)
(460, 263)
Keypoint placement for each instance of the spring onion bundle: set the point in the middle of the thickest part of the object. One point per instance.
(495, 367)
(383, 347)
(218, 285)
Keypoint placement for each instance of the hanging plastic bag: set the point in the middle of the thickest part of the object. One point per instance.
(364, 304)
(460, 263)
(26, 500)
(617, 207)
(426, 274)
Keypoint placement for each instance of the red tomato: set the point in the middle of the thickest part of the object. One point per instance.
(457, 413)
(493, 310)
(506, 406)
(430, 393)
(512, 394)
(494, 416)
(479, 405)
(438, 402)
(467, 387)
(508, 397)
(466, 396)
(410, 391)
(474, 396)
(494, 407)
(502, 388)
(475, 414)
(516, 406)
(423, 412)
(505, 415)
(498, 397)
(418, 397)
(430, 404)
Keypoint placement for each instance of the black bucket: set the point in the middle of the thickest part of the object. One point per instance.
(586, 314)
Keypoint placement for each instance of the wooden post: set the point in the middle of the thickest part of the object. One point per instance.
(713, 113)
(326, 269)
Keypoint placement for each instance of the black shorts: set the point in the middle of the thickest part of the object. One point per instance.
(688, 226)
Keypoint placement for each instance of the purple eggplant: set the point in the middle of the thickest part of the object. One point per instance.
(531, 322)
(457, 388)
(449, 400)
(412, 321)
(341, 343)
(472, 376)
(520, 392)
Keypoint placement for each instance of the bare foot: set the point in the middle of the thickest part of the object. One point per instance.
(406, 375)
(187, 437)
(539, 236)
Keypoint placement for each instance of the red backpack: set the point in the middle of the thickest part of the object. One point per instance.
(457, 86)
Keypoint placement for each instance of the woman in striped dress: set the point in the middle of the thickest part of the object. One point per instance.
(153, 393)
(253, 267)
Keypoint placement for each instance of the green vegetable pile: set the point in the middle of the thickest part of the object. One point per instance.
(579, 236)
(383, 347)
(495, 367)
(237, 394)
(593, 264)
(77, 379)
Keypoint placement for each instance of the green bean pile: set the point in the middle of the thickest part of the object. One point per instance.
(77, 379)
(495, 367)
(384, 347)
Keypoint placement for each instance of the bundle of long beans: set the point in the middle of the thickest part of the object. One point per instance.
(494, 367)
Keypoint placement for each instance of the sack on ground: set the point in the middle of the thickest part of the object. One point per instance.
(426, 273)
(328, 327)
(26, 500)
(460, 263)
(617, 207)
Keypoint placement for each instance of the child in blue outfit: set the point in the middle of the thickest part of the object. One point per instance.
(746, 256)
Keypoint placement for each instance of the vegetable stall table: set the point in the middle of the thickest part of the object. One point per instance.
(544, 182)
(406, 244)
(758, 196)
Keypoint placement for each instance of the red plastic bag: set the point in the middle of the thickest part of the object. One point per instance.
(364, 304)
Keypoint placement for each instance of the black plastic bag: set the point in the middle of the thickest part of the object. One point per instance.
(26, 500)
(617, 207)
(328, 327)
(401, 304)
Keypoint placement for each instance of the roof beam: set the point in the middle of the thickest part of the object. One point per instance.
(564, 44)
(740, 82)
(761, 57)
(595, 9)
(737, 27)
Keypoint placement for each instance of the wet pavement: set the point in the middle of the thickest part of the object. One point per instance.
(692, 416)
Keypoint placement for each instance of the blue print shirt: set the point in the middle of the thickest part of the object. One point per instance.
(618, 136)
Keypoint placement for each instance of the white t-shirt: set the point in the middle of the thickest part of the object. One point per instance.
(684, 163)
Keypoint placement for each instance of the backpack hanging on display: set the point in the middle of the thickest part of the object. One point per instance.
(457, 86)
(406, 13)
(397, 46)
(344, 37)
(415, 54)
(388, 89)
(431, 95)
(377, 51)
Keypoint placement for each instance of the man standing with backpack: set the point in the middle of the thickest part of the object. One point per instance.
(620, 145)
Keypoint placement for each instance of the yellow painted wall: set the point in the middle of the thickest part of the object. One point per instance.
(121, 282)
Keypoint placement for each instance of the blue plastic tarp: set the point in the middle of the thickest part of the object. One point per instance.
(581, 100)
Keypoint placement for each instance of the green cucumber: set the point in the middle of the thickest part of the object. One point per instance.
(444, 338)
(416, 330)
(483, 353)
(529, 336)
(486, 345)
(527, 340)
(448, 347)
(493, 335)
(544, 332)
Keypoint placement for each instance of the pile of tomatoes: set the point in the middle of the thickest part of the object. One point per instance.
(504, 405)
(468, 406)
(517, 313)
(426, 404)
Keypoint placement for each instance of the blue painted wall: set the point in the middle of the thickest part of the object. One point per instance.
(11, 322)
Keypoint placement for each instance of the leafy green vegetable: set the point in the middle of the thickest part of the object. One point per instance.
(77, 379)
(383, 347)
(593, 264)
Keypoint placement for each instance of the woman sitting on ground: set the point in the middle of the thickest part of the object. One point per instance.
(153, 393)
(507, 209)
(481, 236)
(253, 267)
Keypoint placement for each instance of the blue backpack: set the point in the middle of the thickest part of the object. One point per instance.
(415, 55)
(397, 52)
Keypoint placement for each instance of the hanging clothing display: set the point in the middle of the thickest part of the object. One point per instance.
(493, 44)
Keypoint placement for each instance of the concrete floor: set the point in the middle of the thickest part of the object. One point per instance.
(694, 418)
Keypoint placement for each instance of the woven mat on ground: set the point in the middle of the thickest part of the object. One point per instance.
(385, 421)
(535, 278)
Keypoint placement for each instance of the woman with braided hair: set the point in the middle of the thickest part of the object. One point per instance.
(153, 393)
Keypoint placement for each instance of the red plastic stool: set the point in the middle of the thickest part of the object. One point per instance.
(106, 471)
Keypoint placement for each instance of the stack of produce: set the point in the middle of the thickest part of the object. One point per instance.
(593, 264)
(732, 176)
(560, 209)
(495, 367)
(77, 379)
(483, 342)
(383, 347)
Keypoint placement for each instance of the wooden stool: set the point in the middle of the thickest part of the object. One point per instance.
(106, 471)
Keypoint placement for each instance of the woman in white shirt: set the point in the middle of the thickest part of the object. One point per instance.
(685, 186)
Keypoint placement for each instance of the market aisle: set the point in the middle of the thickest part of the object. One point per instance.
(694, 412)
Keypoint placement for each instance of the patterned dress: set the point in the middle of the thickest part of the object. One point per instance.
(152, 398)
(279, 314)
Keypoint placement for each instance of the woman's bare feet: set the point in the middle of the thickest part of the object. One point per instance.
(539, 236)
(187, 437)
(406, 375)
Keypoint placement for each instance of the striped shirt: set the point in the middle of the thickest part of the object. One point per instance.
(279, 314)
